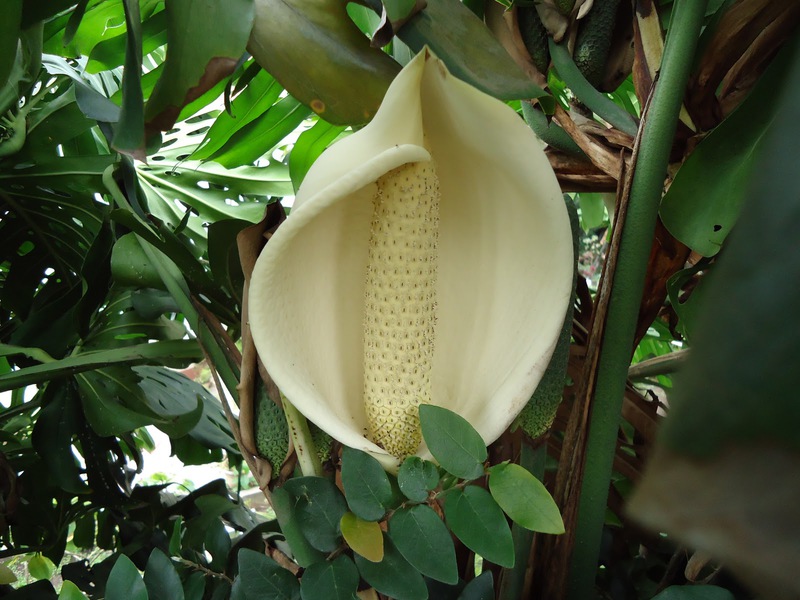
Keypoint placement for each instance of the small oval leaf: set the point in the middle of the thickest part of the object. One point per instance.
(334, 580)
(525, 499)
(366, 486)
(477, 520)
(423, 539)
(393, 576)
(319, 507)
(364, 537)
(417, 477)
(453, 442)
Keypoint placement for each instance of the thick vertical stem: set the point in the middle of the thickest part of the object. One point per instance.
(626, 295)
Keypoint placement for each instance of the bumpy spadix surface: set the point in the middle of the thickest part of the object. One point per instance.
(329, 290)
(400, 305)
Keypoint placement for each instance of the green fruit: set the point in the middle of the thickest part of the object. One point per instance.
(534, 35)
(594, 40)
(538, 415)
(272, 432)
(565, 6)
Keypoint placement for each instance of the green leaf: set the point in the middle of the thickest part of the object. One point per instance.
(346, 80)
(70, 591)
(417, 477)
(694, 592)
(83, 536)
(468, 48)
(129, 137)
(480, 588)
(7, 576)
(205, 41)
(256, 99)
(9, 36)
(423, 539)
(41, 567)
(364, 537)
(524, 498)
(319, 506)
(124, 581)
(161, 578)
(334, 580)
(453, 442)
(366, 486)
(477, 520)
(261, 578)
(393, 576)
(258, 137)
(705, 198)
(309, 145)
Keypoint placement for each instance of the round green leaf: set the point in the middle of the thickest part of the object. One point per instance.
(261, 578)
(480, 588)
(366, 486)
(319, 507)
(7, 576)
(525, 499)
(364, 537)
(453, 442)
(477, 520)
(417, 477)
(41, 567)
(393, 576)
(125, 582)
(161, 578)
(335, 580)
(70, 591)
(423, 539)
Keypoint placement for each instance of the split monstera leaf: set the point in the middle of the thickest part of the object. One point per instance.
(428, 259)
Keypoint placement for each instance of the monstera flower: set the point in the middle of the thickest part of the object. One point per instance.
(427, 259)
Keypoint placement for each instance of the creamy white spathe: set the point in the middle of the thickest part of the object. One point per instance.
(427, 259)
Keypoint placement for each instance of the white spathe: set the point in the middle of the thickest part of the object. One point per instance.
(505, 260)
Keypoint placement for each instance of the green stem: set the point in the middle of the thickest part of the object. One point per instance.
(626, 295)
(302, 440)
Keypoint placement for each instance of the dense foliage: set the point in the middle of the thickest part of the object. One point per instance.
(149, 149)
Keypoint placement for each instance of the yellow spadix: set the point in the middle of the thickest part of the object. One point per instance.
(427, 259)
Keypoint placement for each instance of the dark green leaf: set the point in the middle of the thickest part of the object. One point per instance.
(524, 498)
(718, 170)
(480, 588)
(694, 592)
(319, 506)
(161, 578)
(205, 41)
(129, 131)
(124, 582)
(453, 442)
(366, 486)
(9, 36)
(261, 578)
(417, 477)
(83, 536)
(393, 576)
(334, 580)
(422, 538)
(477, 520)
(469, 50)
